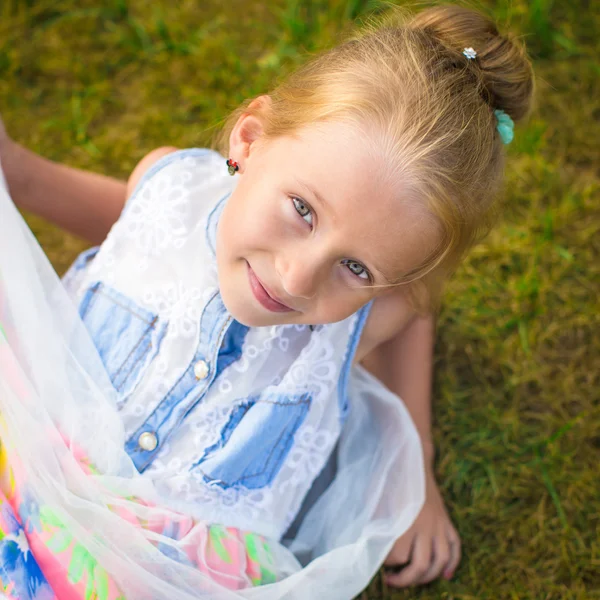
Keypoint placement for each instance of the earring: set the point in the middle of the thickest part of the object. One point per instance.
(232, 166)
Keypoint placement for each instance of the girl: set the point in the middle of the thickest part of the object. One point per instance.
(228, 311)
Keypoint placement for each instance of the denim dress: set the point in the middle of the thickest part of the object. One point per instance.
(233, 424)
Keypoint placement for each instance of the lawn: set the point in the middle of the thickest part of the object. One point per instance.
(98, 83)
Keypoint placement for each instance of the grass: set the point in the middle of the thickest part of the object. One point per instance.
(97, 84)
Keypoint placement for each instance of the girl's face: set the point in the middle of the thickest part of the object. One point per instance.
(315, 222)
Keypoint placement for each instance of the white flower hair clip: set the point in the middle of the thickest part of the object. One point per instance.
(470, 53)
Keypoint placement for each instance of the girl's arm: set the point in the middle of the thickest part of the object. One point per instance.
(84, 203)
(405, 365)
(431, 547)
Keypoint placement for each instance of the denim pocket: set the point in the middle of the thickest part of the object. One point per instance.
(126, 335)
(255, 441)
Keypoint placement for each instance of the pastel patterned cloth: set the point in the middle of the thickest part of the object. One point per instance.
(41, 558)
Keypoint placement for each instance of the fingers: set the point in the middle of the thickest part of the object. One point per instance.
(455, 553)
(419, 564)
(440, 559)
(401, 552)
(430, 558)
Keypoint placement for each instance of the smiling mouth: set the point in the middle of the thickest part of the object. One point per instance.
(262, 294)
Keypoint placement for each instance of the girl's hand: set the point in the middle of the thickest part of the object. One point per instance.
(430, 548)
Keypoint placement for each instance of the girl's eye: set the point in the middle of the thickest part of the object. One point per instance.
(356, 268)
(303, 210)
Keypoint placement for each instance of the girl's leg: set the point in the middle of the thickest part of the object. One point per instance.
(84, 203)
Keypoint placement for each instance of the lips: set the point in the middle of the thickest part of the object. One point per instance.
(262, 294)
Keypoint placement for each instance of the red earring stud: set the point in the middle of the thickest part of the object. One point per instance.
(232, 166)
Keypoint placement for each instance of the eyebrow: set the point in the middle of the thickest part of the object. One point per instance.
(315, 194)
(327, 207)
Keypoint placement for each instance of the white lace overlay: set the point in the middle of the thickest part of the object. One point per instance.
(179, 304)
(158, 218)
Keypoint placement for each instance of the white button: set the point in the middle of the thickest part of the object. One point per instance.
(201, 369)
(148, 441)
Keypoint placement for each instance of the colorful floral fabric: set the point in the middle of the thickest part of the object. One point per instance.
(41, 558)
(20, 574)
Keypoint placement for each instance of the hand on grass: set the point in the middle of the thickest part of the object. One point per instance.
(429, 549)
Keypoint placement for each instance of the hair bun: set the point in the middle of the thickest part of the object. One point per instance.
(505, 69)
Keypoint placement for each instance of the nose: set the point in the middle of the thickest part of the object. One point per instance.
(300, 274)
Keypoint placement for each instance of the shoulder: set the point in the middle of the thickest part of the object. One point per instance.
(144, 164)
(389, 316)
(167, 155)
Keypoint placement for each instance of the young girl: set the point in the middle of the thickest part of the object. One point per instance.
(231, 303)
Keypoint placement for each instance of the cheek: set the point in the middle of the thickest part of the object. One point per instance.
(253, 217)
(337, 307)
(235, 226)
(262, 229)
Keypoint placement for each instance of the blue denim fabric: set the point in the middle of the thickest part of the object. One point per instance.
(255, 441)
(83, 260)
(363, 313)
(72, 277)
(126, 336)
(220, 343)
(231, 346)
(213, 220)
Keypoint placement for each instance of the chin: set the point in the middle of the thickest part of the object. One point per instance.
(239, 301)
(243, 306)
(240, 309)
(246, 312)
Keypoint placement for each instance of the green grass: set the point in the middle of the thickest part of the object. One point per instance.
(97, 84)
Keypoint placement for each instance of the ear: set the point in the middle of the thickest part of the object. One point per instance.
(248, 130)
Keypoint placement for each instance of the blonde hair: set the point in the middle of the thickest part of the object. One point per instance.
(407, 78)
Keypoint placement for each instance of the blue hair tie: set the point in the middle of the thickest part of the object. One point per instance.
(505, 126)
